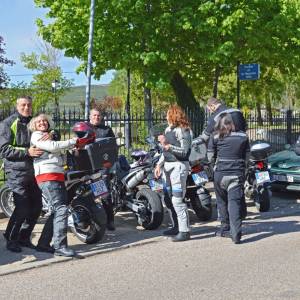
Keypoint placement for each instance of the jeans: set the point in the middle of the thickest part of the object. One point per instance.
(56, 225)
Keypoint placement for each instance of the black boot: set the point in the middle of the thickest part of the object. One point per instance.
(223, 233)
(108, 207)
(45, 248)
(181, 236)
(64, 251)
(237, 238)
(110, 226)
(171, 231)
(13, 246)
(26, 243)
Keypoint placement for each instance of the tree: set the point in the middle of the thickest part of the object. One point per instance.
(3, 61)
(162, 94)
(46, 64)
(184, 43)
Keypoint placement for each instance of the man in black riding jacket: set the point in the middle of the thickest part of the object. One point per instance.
(18, 156)
(103, 131)
(217, 109)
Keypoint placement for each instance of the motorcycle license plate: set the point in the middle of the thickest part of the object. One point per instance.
(99, 188)
(262, 177)
(200, 178)
(156, 185)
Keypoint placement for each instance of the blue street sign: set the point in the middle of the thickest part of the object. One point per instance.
(249, 72)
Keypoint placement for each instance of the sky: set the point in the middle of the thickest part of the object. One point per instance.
(17, 27)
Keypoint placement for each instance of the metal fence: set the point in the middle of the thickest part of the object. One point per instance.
(280, 129)
(283, 128)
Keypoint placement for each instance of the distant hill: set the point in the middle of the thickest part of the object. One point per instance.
(76, 95)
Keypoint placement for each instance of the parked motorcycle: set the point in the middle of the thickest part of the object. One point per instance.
(129, 190)
(87, 218)
(258, 183)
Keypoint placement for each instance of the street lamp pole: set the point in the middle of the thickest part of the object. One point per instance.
(89, 62)
(54, 89)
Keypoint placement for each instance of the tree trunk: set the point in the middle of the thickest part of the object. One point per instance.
(186, 99)
(184, 94)
(216, 81)
(148, 106)
(269, 109)
(259, 117)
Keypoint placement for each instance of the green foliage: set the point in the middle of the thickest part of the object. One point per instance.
(155, 39)
(161, 94)
(48, 72)
(4, 79)
(10, 95)
(76, 94)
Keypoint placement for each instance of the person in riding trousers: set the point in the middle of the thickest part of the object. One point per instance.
(229, 150)
(174, 166)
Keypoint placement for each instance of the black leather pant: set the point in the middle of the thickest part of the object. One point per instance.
(230, 194)
(108, 206)
(28, 206)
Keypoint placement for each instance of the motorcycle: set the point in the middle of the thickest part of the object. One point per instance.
(86, 216)
(258, 183)
(130, 191)
(197, 196)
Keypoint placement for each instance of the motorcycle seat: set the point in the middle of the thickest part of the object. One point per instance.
(71, 175)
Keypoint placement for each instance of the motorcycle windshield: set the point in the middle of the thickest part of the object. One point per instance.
(158, 129)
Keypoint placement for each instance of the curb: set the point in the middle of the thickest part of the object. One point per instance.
(55, 260)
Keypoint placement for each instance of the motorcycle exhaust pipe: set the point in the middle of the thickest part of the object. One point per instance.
(136, 179)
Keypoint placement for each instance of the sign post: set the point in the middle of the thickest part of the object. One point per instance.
(246, 72)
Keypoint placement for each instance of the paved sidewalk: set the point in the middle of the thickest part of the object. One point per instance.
(128, 234)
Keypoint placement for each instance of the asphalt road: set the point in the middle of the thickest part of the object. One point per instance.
(264, 266)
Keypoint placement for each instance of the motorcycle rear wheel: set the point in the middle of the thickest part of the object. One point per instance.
(7, 201)
(262, 199)
(203, 212)
(92, 229)
(153, 215)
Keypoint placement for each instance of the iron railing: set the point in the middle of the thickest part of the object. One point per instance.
(283, 128)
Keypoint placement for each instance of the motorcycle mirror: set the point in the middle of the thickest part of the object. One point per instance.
(150, 139)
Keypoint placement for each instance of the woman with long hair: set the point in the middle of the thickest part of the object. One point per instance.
(229, 149)
(174, 166)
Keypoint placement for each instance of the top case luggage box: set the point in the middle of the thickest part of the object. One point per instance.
(260, 150)
(103, 153)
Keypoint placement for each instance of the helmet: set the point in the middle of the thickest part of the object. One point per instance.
(85, 132)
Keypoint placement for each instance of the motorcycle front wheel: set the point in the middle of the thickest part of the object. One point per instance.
(152, 213)
(89, 223)
(7, 201)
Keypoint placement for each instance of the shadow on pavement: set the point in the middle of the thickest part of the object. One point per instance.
(128, 232)
(263, 230)
(26, 256)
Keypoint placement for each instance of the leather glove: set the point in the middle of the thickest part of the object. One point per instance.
(81, 142)
(197, 141)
